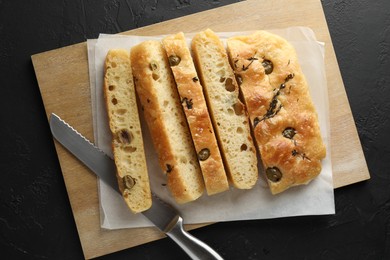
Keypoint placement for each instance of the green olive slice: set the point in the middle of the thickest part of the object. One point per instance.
(124, 136)
(128, 182)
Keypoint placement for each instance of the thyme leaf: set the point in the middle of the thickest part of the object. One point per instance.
(297, 153)
(251, 59)
(188, 102)
(275, 106)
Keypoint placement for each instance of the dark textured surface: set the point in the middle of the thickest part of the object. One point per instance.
(36, 220)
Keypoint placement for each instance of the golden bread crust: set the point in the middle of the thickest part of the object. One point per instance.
(166, 121)
(280, 108)
(195, 108)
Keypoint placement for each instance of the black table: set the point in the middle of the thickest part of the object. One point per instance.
(36, 220)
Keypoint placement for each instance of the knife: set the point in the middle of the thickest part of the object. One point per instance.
(162, 215)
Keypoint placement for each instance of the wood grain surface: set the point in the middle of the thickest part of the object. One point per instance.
(63, 80)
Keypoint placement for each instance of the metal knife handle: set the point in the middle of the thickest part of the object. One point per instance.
(195, 248)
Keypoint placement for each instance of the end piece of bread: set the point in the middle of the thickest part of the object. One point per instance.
(227, 111)
(167, 124)
(127, 142)
(198, 118)
(281, 111)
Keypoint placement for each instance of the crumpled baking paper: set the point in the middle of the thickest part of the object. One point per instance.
(316, 198)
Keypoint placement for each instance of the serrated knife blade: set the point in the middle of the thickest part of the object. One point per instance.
(162, 215)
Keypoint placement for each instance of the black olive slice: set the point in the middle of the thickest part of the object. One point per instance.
(204, 154)
(273, 174)
(174, 60)
(268, 66)
(289, 132)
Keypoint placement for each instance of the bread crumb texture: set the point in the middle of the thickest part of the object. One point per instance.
(166, 121)
(228, 112)
(127, 142)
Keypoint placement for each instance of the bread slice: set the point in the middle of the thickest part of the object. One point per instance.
(227, 111)
(281, 111)
(198, 118)
(127, 142)
(167, 124)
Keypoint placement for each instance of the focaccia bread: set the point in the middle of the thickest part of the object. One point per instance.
(195, 108)
(127, 142)
(167, 124)
(228, 114)
(281, 111)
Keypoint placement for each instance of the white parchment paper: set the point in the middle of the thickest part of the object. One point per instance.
(314, 199)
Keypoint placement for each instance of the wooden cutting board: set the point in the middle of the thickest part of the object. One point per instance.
(63, 80)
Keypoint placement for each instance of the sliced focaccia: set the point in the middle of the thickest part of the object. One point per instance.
(280, 108)
(167, 124)
(127, 142)
(195, 108)
(227, 111)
